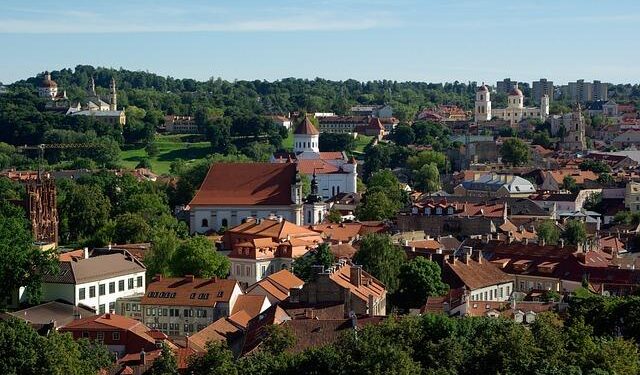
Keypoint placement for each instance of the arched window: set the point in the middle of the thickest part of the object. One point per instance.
(481, 97)
(225, 222)
(309, 217)
(205, 223)
(320, 217)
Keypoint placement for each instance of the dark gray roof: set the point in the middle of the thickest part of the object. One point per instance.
(515, 206)
(60, 312)
(95, 268)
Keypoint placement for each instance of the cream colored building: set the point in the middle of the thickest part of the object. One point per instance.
(632, 196)
(515, 110)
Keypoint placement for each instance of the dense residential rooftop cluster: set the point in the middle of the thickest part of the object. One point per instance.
(510, 210)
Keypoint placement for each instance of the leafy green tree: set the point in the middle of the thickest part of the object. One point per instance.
(594, 165)
(575, 232)
(428, 178)
(144, 163)
(217, 360)
(515, 152)
(152, 149)
(163, 246)
(605, 179)
(376, 206)
(197, 256)
(322, 255)
(23, 351)
(334, 216)
(549, 232)
(336, 142)
(383, 259)
(21, 263)
(277, 339)
(166, 364)
(569, 183)
(427, 157)
(418, 279)
(542, 138)
(131, 228)
(403, 135)
(84, 210)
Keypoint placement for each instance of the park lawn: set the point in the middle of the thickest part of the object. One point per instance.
(287, 143)
(170, 147)
(361, 142)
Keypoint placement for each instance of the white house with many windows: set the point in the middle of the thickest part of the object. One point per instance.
(95, 281)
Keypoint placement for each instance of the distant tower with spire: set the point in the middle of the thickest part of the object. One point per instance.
(113, 102)
(314, 207)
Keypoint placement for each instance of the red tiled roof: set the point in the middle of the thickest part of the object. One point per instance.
(247, 184)
(188, 292)
(306, 127)
(476, 275)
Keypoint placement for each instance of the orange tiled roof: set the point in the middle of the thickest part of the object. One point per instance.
(246, 184)
(188, 291)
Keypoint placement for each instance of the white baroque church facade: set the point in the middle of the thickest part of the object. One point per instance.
(515, 110)
(334, 172)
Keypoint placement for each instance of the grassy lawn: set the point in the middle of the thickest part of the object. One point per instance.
(361, 142)
(287, 143)
(171, 147)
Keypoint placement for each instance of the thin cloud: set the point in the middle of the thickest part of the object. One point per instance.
(163, 19)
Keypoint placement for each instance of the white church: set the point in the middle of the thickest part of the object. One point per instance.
(334, 172)
(515, 111)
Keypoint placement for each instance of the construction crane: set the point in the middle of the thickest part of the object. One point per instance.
(58, 146)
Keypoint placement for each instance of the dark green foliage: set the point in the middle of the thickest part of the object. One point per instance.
(218, 360)
(549, 232)
(594, 165)
(302, 266)
(383, 259)
(575, 232)
(403, 135)
(337, 142)
(21, 263)
(515, 152)
(418, 279)
(432, 134)
(166, 364)
(383, 198)
(24, 352)
(197, 256)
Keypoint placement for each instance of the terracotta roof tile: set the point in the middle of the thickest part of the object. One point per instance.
(247, 184)
(189, 291)
(306, 127)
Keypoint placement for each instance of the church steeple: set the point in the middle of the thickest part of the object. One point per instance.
(113, 105)
(92, 88)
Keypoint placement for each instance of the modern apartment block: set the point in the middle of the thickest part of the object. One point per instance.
(541, 88)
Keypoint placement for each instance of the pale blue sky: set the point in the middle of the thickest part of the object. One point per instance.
(432, 41)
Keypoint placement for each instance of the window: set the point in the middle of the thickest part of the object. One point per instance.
(102, 309)
(237, 270)
(128, 307)
(120, 285)
(225, 222)
(115, 336)
(112, 306)
(92, 291)
(82, 293)
(188, 313)
(264, 270)
(139, 282)
(188, 327)
(130, 283)
(112, 287)
(85, 334)
(205, 223)
(100, 336)
(101, 289)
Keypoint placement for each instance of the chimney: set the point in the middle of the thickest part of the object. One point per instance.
(189, 278)
(479, 256)
(86, 253)
(355, 275)
(143, 356)
(107, 315)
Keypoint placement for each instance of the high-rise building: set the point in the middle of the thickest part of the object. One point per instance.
(505, 86)
(540, 89)
(582, 92)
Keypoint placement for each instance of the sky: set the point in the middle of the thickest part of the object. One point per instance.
(428, 40)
